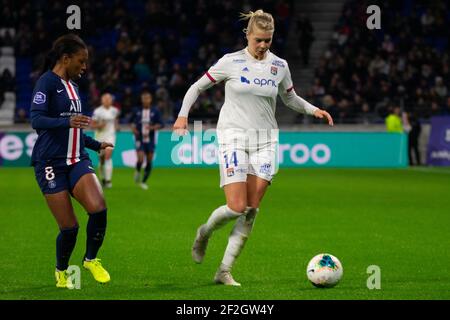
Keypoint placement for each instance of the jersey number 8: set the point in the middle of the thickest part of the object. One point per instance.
(49, 174)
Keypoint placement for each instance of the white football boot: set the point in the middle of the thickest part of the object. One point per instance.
(225, 277)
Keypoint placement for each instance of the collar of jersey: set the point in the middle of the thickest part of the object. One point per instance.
(256, 60)
(59, 78)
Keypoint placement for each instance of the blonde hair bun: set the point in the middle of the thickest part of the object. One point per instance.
(258, 19)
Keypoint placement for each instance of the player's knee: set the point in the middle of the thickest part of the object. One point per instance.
(99, 215)
(253, 203)
(69, 225)
(97, 205)
(237, 206)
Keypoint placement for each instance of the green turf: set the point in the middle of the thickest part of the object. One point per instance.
(396, 219)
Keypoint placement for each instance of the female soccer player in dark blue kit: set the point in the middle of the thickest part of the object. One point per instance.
(145, 121)
(62, 166)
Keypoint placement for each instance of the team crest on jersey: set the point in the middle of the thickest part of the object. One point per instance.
(52, 184)
(245, 69)
(39, 98)
(273, 70)
(278, 63)
(230, 172)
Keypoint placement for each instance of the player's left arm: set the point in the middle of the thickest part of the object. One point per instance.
(95, 145)
(219, 72)
(116, 122)
(158, 122)
(296, 103)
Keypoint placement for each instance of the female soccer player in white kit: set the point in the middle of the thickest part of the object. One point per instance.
(247, 133)
(105, 122)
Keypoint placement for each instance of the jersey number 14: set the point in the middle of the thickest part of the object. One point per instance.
(233, 159)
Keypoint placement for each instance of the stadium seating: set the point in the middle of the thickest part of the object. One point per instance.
(176, 42)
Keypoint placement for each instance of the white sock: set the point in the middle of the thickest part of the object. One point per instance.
(238, 238)
(219, 217)
(101, 168)
(108, 169)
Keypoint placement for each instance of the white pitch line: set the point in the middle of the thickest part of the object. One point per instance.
(429, 170)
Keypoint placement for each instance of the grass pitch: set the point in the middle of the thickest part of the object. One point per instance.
(397, 219)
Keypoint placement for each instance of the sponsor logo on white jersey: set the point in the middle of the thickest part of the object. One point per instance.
(260, 82)
(278, 63)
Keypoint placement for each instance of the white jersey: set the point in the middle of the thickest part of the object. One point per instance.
(107, 116)
(251, 89)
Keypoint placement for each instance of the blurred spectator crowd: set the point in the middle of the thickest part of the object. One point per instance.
(365, 73)
(165, 46)
(161, 46)
(7, 81)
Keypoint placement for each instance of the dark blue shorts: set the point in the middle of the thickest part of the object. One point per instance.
(145, 146)
(56, 177)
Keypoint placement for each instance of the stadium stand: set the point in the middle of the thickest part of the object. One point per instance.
(365, 72)
(7, 75)
(355, 73)
(158, 45)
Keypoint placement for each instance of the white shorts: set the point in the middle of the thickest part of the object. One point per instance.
(106, 138)
(238, 158)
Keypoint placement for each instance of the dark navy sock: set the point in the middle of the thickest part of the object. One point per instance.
(138, 166)
(95, 230)
(148, 170)
(65, 242)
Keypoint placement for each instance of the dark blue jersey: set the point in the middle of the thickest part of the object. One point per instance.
(142, 119)
(55, 100)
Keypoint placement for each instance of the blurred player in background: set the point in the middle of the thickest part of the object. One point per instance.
(62, 166)
(105, 121)
(145, 122)
(253, 78)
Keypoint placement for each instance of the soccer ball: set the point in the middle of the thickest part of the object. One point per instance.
(324, 270)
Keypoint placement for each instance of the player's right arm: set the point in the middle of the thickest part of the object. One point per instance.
(217, 73)
(39, 108)
(39, 111)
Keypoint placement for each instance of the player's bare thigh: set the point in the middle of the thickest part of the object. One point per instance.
(89, 194)
(236, 196)
(60, 205)
(239, 195)
(256, 188)
(140, 155)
